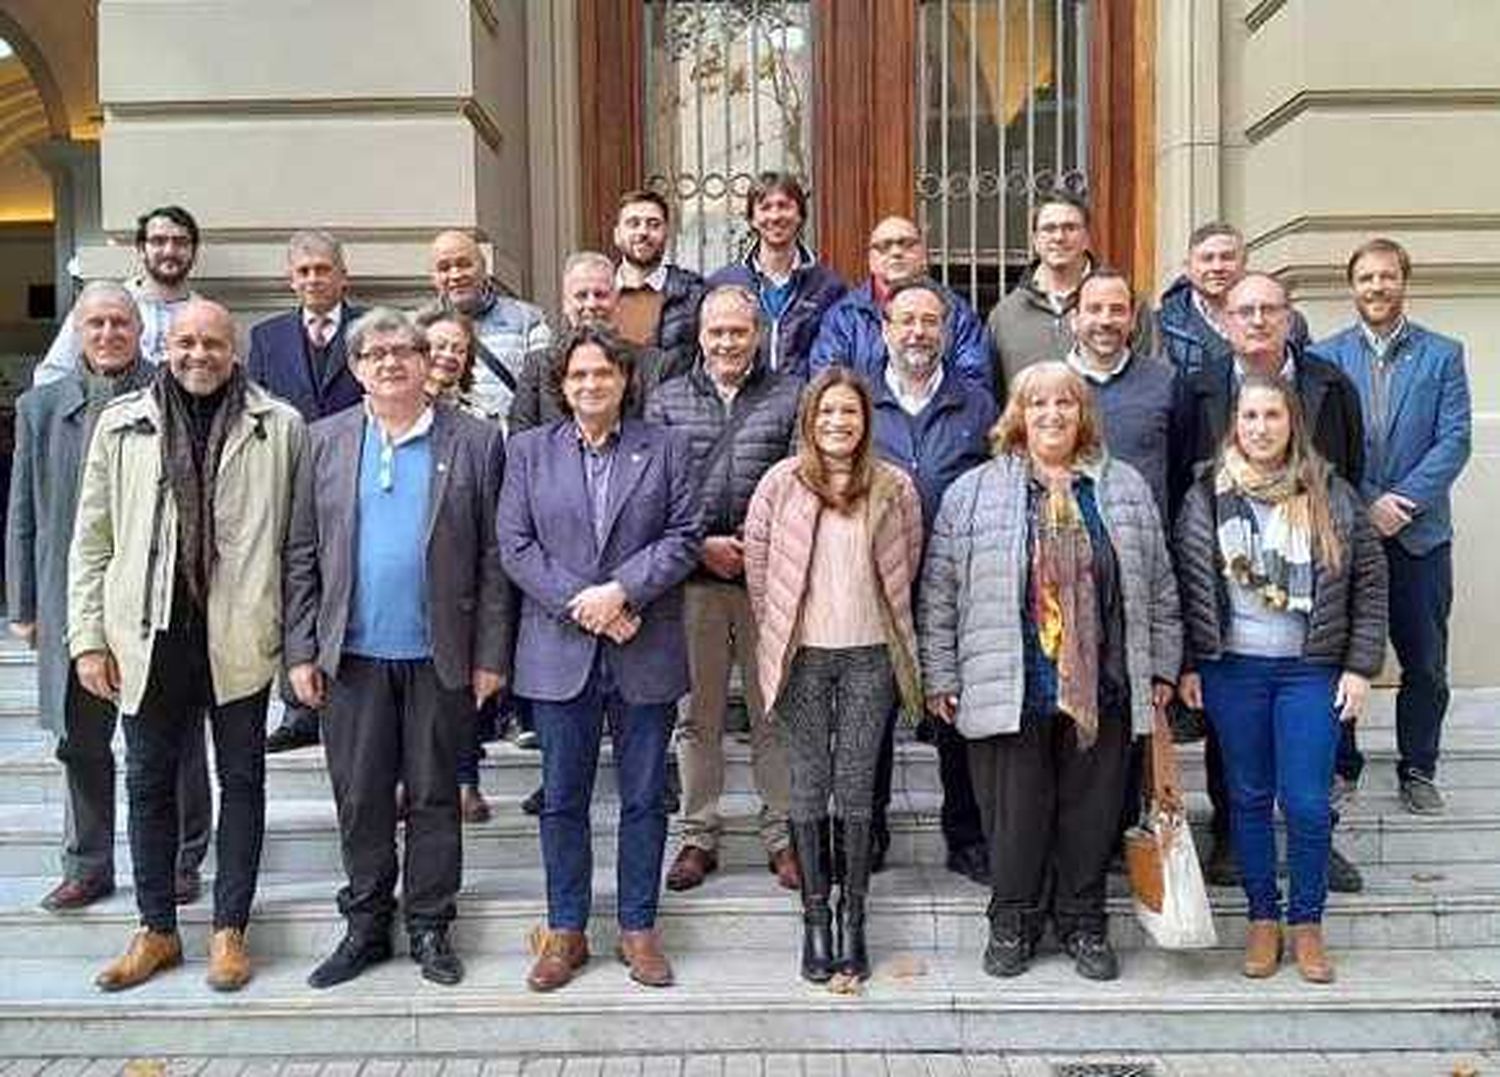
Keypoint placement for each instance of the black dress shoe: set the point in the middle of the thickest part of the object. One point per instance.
(432, 950)
(1093, 957)
(533, 804)
(972, 862)
(284, 738)
(352, 957)
(1343, 877)
(77, 893)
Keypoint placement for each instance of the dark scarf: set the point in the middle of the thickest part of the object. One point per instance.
(192, 440)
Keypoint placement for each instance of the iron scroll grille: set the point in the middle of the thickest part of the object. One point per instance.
(728, 96)
(1002, 116)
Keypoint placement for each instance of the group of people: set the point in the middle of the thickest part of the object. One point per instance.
(1031, 538)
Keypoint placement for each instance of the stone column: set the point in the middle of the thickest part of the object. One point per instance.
(74, 170)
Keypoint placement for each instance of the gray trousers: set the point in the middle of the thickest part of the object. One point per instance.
(390, 721)
(834, 709)
(88, 762)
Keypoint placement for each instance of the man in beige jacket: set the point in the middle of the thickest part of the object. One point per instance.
(174, 612)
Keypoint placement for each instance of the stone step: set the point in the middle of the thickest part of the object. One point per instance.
(911, 908)
(30, 774)
(728, 1000)
(302, 835)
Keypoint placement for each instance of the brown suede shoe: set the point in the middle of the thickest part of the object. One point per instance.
(77, 894)
(563, 954)
(1312, 960)
(691, 867)
(641, 950)
(228, 960)
(783, 865)
(149, 952)
(1262, 949)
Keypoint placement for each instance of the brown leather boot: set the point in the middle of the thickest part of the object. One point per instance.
(1312, 960)
(228, 960)
(1262, 949)
(149, 952)
(562, 955)
(641, 950)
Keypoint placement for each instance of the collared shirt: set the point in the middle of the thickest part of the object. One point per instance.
(598, 471)
(780, 280)
(333, 319)
(656, 280)
(913, 403)
(388, 445)
(1092, 373)
(1383, 355)
(1287, 373)
(1209, 315)
(1380, 346)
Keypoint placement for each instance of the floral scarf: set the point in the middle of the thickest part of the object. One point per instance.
(1065, 605)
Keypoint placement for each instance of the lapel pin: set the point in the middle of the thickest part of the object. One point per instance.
(442, 466)
(635, 458)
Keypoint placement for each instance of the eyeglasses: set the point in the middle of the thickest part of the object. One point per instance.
(895, 243)
(377, 353)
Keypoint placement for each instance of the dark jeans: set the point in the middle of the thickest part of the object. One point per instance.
(1279, 733)
(1348, 762)
(1048, 805)
(570, 733)
(156, 743)
(1421, 597)
(88, 762)
(390, 721)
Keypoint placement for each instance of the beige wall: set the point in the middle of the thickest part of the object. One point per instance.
(1314, 124)
(366, 119)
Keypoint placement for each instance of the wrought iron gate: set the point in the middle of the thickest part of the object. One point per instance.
(1002, 105)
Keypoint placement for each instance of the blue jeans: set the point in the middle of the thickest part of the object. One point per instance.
(570, 733)
(1278, 733)
(1421, 596)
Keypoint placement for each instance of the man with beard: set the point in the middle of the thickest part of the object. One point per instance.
(1031, 323)
(853, 330)
(589, 297)
(53, 424)
(931, 423)
(739, 418)
(1415, 398)
(166, 238)
(174, 612)
(658, 303)
(506, 329)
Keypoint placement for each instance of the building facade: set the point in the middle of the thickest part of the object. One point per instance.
(1311, 124)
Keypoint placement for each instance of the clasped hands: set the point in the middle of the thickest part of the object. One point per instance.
(602, 610)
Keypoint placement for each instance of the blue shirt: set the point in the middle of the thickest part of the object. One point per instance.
(388, 606)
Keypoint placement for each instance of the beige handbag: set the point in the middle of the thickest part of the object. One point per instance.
(1144, 848)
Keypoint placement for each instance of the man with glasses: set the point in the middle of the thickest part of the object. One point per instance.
(396, 622)
(166, 239)
(852, 333)
(1032, 322)
(1259, 322)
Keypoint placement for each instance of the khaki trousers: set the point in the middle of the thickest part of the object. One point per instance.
(721, 630)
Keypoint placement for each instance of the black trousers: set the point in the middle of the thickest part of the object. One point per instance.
(1051, 810)
(390, 721)
(961, 820)
(158, 739)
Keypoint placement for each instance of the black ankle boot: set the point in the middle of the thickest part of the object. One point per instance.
(817, 920)
(853, 956)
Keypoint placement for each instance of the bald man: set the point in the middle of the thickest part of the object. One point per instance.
(174, 613)
(852, 333)
(506, 328)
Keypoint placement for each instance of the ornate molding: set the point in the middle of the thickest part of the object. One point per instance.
(1483, 97)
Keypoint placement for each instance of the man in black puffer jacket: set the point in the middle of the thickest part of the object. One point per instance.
(739, 418)
(658, 305)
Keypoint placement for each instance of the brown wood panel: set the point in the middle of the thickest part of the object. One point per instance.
(611, 128)
(1121, 135)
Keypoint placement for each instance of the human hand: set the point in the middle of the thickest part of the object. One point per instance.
(1190, 690)
(1350, 695)
(943, 706)
(1391, 512)
(307, 685)
(724, 556)
(595, 607)
(485, 683)
(99, 674)
(623, 628)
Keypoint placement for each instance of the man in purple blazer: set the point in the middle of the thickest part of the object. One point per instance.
(598, 527)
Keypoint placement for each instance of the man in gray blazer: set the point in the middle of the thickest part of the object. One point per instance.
(53, 424)
(396, 621)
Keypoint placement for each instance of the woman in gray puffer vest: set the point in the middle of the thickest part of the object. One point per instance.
(1048, 631)
(1284, 601)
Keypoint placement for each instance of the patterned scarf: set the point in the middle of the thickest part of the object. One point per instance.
(1065, 606)
(1275, 563)
(192, 440)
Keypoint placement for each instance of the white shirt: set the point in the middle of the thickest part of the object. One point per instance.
(334, 318)
(656, 280)
(913, 403)
(1092, 373)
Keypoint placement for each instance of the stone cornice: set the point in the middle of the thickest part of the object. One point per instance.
(1482, 97)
